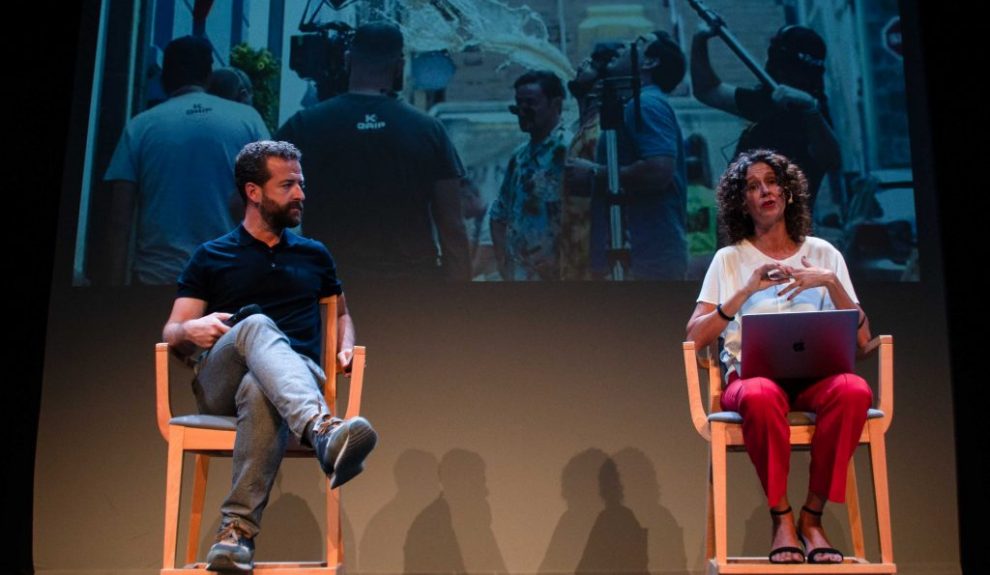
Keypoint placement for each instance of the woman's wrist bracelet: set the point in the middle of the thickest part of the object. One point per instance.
(723, 315)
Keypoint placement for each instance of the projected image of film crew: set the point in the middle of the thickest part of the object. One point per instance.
(639, 202)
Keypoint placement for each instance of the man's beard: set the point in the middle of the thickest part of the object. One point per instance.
(527, 120)
(280, 217)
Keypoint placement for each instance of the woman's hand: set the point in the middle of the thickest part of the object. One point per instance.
(765, 276)
(707, 323)
(806, 277)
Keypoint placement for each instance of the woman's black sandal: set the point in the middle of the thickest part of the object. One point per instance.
(814, 554)
(786, 548)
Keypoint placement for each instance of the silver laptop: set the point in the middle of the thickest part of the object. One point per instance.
(812, 344)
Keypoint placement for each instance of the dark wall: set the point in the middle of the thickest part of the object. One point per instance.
(41, 55)
(949, 38)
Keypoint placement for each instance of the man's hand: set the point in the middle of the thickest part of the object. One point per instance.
(449, 219)
(704, 32)
(344, 359)
(792, 99)
(205, 331)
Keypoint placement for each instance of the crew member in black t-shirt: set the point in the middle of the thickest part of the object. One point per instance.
(384, 177)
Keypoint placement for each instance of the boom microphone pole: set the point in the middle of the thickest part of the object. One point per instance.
(719, 27)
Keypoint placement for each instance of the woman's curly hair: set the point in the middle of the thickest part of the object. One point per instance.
(735, 223)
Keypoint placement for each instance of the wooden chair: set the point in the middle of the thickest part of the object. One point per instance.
(209, 436)
(723, 430)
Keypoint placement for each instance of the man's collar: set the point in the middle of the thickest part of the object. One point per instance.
(187, 89)
(289, 238)
(245, 238)
(554, 134)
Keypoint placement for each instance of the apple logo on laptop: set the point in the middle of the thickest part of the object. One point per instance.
(798, 345)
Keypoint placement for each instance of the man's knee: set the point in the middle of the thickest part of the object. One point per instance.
(252, 328)
(256, 322)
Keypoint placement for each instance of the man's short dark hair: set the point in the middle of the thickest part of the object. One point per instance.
(230, 84)
(251, 165)
(188, 61)
(550, 84)
(376, 44)
(672, 66)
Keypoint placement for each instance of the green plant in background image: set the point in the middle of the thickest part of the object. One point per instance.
(265, 73)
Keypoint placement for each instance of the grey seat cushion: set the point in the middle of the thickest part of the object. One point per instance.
(226, 423)
(202, 421)
(793, 417)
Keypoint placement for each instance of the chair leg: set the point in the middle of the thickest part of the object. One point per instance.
(719, 481)
(878, 457)
(173, 491)
(201, 471)
(335, 540)
(855, 513)
(710, 512)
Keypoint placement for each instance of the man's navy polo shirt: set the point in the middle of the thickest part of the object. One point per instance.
(286, 280)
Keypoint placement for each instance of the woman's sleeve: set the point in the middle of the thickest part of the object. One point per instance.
(712, 286)
(838, 266)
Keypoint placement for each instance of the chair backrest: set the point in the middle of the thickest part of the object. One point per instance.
(329, 360)
(707, 360)
(710, 360)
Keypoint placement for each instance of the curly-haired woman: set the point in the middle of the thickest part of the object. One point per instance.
(773, 265)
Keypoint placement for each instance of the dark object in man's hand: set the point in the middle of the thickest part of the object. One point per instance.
(250, 309)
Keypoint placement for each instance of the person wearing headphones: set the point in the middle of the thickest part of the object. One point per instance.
(792, 118)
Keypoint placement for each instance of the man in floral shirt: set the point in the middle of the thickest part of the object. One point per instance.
(526, 214)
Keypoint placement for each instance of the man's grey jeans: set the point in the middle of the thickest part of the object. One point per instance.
(252, 372)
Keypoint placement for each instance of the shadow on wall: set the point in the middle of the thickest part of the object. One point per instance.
(417, 484)
(454, 534)
(664, 536)
(441, 512)
(614, 522)
(579, 488)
